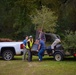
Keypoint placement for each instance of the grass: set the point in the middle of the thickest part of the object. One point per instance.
(47, 67)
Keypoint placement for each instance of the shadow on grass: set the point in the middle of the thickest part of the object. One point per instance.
(1, 58)
(45, 58)
(52, 59)
(69, 59)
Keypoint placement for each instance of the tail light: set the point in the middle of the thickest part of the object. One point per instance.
(75, 54)
(21, 46)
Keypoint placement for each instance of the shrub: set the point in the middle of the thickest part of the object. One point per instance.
(70, 41)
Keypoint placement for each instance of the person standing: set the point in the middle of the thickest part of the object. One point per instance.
(28, 47)
(40, 34)
(41, 48)
(24, 50)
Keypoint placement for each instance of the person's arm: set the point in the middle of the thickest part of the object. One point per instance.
(38, 47)
(24, 43)
(29, 44)
(44, 38)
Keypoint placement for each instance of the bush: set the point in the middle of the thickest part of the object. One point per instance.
(70, 41)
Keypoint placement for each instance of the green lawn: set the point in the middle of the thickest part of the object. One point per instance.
(47, 67)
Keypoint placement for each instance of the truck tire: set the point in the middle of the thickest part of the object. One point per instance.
(58, 56)
(7, 55)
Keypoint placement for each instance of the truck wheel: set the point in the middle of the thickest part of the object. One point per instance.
(58, 56)
(7, 55)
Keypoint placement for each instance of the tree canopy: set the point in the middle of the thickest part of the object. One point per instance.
(45, 19)
(15, 21)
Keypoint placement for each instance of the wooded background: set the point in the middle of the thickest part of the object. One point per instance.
(20, 17)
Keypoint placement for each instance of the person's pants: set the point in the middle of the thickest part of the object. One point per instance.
(24, 54)
(40, 54)
(55, 43)
(29, 55)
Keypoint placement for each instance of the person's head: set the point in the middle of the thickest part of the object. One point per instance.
(30, 37)
(26, 37)
(39, 30)
(37, 41)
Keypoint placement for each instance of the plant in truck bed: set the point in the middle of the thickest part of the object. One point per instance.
(5, 40)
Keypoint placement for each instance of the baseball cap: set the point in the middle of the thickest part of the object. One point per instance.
(30, 36)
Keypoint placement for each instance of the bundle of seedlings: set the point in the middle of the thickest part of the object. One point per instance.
(5, 40)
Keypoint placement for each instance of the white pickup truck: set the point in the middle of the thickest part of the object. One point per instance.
(9, 49)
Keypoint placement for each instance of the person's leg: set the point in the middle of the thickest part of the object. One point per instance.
(55, 43)
(24, 54)
(40, 54)
(29, 55)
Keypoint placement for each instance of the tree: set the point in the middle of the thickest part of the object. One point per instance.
(66, 16)
(45, 19)
(14, 19)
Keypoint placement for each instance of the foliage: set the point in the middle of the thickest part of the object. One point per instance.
(45, 18)
(66, 16)
(70, 41)
(15, 21)
(14, 18)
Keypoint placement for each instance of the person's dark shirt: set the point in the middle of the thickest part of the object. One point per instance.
(43, 36)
